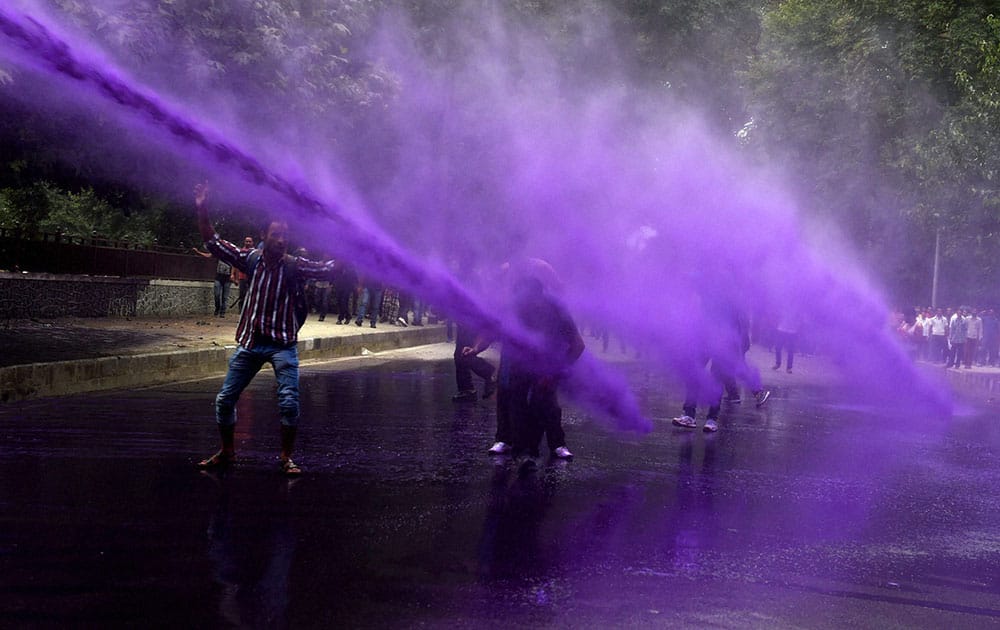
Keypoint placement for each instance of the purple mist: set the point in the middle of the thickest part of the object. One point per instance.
(648, 217)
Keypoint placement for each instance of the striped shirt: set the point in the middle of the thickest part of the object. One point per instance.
(269, 309)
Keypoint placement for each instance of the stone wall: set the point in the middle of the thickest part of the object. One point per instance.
(24, 295)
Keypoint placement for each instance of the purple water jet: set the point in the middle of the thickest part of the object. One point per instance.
(570, 176)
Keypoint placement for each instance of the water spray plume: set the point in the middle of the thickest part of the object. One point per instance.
(373, 252)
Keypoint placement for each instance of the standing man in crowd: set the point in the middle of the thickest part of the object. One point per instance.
(957, 327)
(991, 337)
(267, 331)
(220, 286)
(939, 337)
(973, 334)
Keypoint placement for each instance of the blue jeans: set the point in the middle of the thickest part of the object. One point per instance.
(244, 365)
(371, 303)
(221, 293)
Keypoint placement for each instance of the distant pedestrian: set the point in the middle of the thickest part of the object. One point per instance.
(267, 331)
(220, 284)
(957, 327)
(973, 335)
(345, 285)
(787, 336)
(939, 337)
(991, 337)
(370, 301)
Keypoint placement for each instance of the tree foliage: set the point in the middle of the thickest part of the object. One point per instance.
(886, 112)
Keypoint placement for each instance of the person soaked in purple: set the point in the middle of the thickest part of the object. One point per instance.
(267, 331)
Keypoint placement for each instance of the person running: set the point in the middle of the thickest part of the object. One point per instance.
(267, 331)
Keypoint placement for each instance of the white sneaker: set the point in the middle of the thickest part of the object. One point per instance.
(762, 396)
(499, 448)
(685, 421)
(562, 453)
(711, 426)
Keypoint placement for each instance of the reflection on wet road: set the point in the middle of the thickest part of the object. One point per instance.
(810, 512)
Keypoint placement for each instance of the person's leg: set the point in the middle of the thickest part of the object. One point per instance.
(243, 366)
(343, 305)
(322, 301)
(243, 292)
(532, 421)
(363, 303)
(286, 373)
(777, 350)
(792, 341)
(550, 413)
(217, 295)
(225, 298)
(521, 423)
(505, 433)
(463, 377)
(481, 367)
(374, 307)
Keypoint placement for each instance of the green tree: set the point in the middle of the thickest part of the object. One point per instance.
(882, 111)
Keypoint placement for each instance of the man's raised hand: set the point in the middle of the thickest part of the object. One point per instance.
(201, 195)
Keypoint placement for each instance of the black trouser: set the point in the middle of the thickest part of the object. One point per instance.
(466, 365)
(244, 284)
(784, 340)
(532, 409)
(322, 300)
(344, 303)
(955, 355)
(939, 348)
(694, 391)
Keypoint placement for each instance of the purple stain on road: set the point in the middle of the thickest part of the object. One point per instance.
(651, 222)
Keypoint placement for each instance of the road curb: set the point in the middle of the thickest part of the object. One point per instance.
(62, 378)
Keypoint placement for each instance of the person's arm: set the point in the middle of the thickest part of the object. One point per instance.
(218, 247)
(201, 204)
(482, 343)
(314, 269)
(576, 347)
(201, 253)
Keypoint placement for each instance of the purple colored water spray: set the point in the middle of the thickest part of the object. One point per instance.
(374, 253)
(651, 222)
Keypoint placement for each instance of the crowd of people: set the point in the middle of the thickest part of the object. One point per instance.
(956, 337)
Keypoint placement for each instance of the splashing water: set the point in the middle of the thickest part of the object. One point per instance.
(651, 228)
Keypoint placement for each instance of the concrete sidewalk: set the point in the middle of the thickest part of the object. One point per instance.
(56, 357)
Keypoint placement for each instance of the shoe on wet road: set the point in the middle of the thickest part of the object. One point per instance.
(762, 396)
(499, 448)
(685, 421)
(218, 460)
(562, 453)
(711, 426)
(468, 395)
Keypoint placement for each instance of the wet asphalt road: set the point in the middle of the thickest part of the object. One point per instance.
(807, 513)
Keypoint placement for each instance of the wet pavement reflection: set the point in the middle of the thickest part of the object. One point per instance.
(810, 512)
